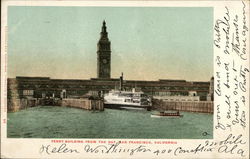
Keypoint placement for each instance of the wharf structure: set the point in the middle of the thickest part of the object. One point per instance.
(42, 87)
(163, 89)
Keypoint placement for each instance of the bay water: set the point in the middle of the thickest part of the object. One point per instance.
(65, 122)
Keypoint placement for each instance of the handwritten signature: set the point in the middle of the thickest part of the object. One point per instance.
(230, 145)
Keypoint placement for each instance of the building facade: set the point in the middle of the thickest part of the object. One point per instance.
(45, 87)
(41, 87)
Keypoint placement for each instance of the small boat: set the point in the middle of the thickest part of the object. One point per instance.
(167, 114)
(132, 108)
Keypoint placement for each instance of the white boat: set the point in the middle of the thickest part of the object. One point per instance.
(119, 99)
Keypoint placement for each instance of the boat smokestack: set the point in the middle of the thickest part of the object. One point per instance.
(121, 82)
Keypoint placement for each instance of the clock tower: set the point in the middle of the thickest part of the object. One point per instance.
(103, 54)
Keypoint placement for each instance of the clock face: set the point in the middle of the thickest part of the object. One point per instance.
(104, 61)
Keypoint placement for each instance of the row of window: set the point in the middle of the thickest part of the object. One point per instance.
(112, 87)
(28, 92)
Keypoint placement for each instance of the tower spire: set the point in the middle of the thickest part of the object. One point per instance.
(104, 27)
(103, 54)
(104, 33)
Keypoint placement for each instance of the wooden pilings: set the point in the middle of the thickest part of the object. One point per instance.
(189, 106)
(87, 104)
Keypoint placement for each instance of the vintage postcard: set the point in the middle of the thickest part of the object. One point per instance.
(125, 79)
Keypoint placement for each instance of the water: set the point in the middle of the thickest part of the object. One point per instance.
(64, 122)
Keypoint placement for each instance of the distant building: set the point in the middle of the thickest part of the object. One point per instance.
(192, 96)
(45, 87)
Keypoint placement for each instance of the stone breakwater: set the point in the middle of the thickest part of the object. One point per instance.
(16, 104)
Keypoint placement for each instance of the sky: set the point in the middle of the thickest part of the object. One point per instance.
(147, 43)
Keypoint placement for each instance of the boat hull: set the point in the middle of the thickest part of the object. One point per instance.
(166, 116)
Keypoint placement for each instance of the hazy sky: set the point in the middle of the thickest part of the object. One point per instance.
(147, 43)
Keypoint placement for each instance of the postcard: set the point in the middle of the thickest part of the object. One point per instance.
(125, 79)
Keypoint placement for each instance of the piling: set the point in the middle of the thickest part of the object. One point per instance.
(84, 103)
(189, 106)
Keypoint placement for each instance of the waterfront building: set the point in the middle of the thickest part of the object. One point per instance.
(191, 97)
(45, 87)
(40, 87)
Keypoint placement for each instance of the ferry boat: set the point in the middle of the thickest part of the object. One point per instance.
(126, 99)
(167, 114)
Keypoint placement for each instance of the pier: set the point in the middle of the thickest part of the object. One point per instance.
(16, 104)
(188, 106)
(84, 103)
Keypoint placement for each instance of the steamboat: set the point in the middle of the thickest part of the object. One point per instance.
(123, 99)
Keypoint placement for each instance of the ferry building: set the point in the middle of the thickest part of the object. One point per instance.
(166, 89)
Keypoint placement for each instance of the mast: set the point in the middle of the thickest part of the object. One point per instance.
(121, 82)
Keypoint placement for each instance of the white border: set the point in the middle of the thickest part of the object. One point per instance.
(29, 148)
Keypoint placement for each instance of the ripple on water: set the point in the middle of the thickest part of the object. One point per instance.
(64, 122)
